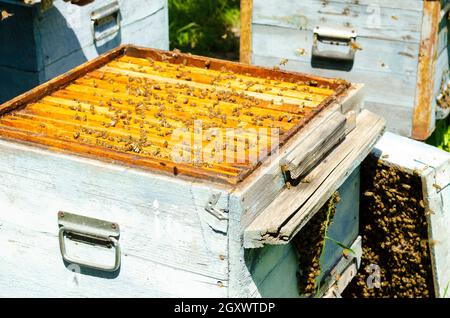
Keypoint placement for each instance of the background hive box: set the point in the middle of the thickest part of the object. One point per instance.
(399, 51)
(37, 45)
(185, 231)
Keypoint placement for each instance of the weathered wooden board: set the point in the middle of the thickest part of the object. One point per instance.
(442, 74)
(433, 166)
(31, 266)
(46, 43)
(245, 54)
(261, 188)
(424, 112)
(292, 208)
(136, 33)
(396, 22)
(397, 60)
(165, 230)
(400, 43)
(71, 27)
(167, 226)
(270, 271)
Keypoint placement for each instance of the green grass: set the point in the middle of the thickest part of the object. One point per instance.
(446, 290)
(441, 135)
(331, 206)
(205, 27)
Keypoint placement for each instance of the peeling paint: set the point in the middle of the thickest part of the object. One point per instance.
(422, 116)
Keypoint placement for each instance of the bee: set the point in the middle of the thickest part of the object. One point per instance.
(355, 46)
(406, 186)
(6, 15)
(301, 51)
(283, 61)
(437, 186)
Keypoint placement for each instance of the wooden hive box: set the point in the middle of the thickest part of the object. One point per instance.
(397, 48)
(432, 167)
(46, 38)
(116, 153)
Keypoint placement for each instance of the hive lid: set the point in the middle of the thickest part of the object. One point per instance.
(170, 112)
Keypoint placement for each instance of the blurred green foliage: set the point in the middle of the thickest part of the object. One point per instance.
(441, 135)
(205, 27)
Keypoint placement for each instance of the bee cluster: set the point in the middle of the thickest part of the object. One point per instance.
(139, 106)
(395, 238)
(134, 105)
(309, 243)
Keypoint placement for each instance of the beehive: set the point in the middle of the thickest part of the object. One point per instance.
(101, 141)
(43, 39)
(399, 50)
(406, 241)
(131, 106)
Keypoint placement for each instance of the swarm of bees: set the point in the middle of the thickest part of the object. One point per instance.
(395, 237)
(161, 107)
(134, 105)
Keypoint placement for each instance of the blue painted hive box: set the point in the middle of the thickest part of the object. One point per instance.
(46, 38)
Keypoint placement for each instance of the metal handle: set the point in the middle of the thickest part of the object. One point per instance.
(334, 37)
(104, 16)
(90, 231)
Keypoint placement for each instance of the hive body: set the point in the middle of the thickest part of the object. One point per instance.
(88, 143)
(39, 44)
(400, 51)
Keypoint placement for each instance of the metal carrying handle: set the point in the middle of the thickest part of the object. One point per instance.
(336, 37)
(102, 16)
(90, 231)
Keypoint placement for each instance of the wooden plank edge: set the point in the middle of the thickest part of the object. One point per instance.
(422, 115)
(345, 269)
(60, 81)
(256, 237)
(245, 49)
(339, 85)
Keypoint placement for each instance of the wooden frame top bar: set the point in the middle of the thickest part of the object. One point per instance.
(126, 104)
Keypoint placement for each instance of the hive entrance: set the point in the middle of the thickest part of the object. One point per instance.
(164, 111)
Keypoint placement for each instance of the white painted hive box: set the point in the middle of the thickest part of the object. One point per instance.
(398, 49)
(84, 165)
(432, 165)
